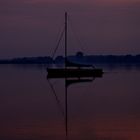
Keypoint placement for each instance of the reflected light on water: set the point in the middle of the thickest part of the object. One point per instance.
(102, 109)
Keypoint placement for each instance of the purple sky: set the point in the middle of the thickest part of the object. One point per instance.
(30, 27)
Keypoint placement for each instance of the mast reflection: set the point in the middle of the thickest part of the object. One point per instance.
(68, 82)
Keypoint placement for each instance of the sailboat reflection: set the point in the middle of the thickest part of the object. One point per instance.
(74, 81)
(68, 83)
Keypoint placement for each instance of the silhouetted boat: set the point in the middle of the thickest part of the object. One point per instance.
(72, 69)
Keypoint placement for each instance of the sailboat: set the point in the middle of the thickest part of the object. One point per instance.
(71, 69)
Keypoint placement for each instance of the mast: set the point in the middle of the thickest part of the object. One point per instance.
(65, 38)
(66, 111)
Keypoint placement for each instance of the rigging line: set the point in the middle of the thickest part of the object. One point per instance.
(57, 99)
(58, 33)
(53, 54)
(76, 36)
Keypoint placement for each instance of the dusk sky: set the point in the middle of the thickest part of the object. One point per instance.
(30, 27)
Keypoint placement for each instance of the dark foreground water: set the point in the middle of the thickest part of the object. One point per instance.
(107, 108)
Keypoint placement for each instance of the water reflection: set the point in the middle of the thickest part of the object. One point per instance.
(68, 82)
(99, 109)
(106, 127)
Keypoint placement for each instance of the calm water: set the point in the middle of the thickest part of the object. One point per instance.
(107, 108)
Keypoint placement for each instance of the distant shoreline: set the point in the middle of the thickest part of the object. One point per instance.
(79, 58)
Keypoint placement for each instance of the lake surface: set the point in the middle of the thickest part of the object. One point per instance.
(33, 108)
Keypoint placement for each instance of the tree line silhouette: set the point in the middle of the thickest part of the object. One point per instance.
(78, 57)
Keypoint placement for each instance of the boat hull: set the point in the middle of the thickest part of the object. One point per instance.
(67, 73)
